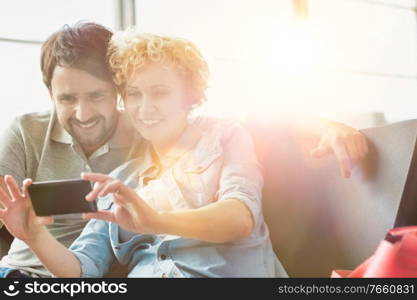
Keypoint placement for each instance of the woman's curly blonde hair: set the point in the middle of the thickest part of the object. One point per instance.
(129, 51)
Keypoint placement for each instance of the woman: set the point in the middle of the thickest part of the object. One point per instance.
(195, 210)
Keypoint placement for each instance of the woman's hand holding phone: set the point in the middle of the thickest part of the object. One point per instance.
(130, 211)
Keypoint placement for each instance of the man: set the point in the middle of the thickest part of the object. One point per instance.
(84, 131)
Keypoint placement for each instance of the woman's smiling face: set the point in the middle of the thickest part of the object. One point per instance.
(156, 100)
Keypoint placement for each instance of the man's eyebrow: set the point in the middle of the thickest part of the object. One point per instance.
(99, 91)
(66, 95)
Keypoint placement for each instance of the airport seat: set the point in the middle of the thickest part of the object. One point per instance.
(318, 220)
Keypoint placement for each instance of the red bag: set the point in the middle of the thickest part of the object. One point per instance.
(396, 256)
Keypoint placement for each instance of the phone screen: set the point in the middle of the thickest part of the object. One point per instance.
(61, 197)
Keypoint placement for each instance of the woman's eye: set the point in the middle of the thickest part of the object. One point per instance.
(97, 98)
(134, 94)
(160, 93)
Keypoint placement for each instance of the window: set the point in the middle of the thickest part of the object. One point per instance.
(33, 21)
(353, 56)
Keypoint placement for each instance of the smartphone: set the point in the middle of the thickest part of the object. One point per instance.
(59, 197)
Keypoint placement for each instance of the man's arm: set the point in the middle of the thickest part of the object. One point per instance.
(347, 144)
(20, 219)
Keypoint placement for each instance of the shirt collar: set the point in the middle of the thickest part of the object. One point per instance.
(151, 162)
(186, 141)
(59, 134)
(149, 166)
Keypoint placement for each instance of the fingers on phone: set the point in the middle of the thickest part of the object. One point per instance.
(111, 187)
(44, 220)
(97, 190)
(96, 177)
(101, 215)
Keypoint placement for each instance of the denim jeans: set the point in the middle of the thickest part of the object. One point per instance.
(12, 273)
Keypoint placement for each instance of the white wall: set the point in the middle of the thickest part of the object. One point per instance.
(357, 56)
(376, 46)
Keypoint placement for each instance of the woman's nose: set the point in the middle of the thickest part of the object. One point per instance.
(147, 106)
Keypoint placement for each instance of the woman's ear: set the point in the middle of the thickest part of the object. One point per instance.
(193, 98)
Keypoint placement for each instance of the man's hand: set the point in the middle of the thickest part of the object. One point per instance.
(348, 145)
(17, 213)
(130, 212)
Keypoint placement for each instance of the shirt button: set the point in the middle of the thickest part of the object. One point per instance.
(117, 247)
(163, 257)
(164, 275)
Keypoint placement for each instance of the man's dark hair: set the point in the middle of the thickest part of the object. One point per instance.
(82, 46)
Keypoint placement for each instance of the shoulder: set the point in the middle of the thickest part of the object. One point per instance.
(129, 172)
(220, 138)
(221, 130)
(28, 126)
(33, 122)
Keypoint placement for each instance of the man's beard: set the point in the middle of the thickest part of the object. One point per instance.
(99, 134)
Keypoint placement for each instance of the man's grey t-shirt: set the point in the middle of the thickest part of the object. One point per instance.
(36, 146)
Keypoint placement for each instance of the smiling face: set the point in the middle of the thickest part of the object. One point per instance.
(156, 101)
(85, 106)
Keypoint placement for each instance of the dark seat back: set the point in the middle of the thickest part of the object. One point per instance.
(318, 220)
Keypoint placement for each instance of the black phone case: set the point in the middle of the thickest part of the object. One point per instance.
(61, 197)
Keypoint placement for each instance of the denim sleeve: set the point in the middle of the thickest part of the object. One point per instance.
(241, 176)
(93, 249)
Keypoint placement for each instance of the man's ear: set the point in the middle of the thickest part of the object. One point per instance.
(50, 93)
